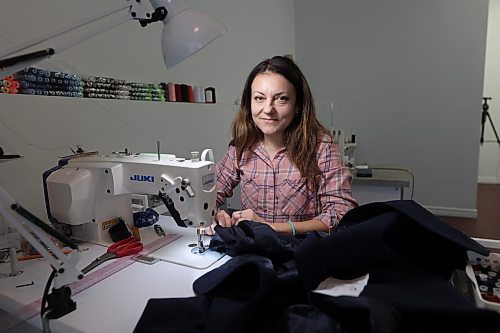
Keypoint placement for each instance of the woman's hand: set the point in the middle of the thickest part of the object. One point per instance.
(223, 219)
(247, 214)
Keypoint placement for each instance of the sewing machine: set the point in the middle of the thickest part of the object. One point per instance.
(89, 192)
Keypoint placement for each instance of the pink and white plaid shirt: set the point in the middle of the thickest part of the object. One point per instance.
(276, 191)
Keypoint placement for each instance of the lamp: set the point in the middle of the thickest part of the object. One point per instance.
(185, 32)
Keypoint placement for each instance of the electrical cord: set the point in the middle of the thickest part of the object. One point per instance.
(43, 308)
(400, 169)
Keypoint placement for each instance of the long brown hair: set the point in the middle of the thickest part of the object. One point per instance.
(304, 132)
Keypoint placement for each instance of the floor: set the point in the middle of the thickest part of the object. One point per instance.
(487, 223)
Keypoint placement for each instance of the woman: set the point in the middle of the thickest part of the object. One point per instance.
(289, 168)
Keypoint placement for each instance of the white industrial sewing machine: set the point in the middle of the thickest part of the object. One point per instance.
(89, 192)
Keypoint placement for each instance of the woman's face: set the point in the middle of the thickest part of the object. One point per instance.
(273, 104)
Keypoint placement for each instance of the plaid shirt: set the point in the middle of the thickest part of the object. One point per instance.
(276, 191)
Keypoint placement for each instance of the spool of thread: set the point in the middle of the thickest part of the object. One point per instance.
(13, 262)
(210, 95)
(15, 84)
(199, 94)
(190, 95)
(184, 92)
(178, 95)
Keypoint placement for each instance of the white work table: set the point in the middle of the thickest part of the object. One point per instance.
(385, 184)
(114, 304)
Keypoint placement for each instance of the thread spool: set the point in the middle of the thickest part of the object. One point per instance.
(13, 262)
(210, 95)
(190, 94)
(199, 94)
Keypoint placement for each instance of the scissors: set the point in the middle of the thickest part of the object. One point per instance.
(119, 249)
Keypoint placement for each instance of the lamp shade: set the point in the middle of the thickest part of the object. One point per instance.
(186, 33)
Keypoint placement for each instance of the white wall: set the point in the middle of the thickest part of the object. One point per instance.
(406, 76)
(489, 152)
(102, 125)
(43, 128)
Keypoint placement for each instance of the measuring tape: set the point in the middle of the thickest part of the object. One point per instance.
(29, 311)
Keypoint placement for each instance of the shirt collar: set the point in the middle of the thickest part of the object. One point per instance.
(261, 151)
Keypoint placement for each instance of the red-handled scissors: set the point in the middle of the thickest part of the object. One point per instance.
(125, 247)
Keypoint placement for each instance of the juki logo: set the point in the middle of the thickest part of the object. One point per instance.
(143, 178)
(208, 183)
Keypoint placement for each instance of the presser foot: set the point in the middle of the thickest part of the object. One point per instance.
(200, 247)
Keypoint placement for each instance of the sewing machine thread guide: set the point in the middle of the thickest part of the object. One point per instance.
(29, 311)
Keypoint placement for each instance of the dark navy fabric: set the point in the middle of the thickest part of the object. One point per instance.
(342, 314)
(427, 302)
(146, 218)
(255, 238)
(229, 299)
(410, 211)
(384, 234)
(267, 285)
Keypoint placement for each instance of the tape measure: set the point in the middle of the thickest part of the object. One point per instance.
(29, 311)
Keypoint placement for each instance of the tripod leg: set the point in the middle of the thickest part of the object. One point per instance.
(483, 120)
(493, 126)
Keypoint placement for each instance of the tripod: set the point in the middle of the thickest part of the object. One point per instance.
(486, 114)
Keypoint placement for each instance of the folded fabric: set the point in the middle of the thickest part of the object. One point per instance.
(382, 234)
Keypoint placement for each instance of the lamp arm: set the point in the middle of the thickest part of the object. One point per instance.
(64, 264)
(58, 302)
(137, 11)
(93, 33)
(33, 56)
(60, 31)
